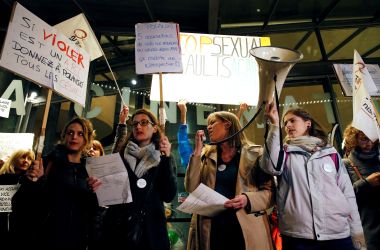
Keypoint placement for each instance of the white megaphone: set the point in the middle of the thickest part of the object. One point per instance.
(274, 65)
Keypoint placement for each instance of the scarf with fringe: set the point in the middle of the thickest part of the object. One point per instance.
(141, 159)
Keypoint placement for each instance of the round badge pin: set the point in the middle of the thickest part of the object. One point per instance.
(222, 167)
(141, 183)
(328, 168)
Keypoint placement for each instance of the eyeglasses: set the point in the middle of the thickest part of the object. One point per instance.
(364, 139)
(72, 133)
(143, 123)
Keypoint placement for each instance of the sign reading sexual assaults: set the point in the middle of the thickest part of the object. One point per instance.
(36, 51)
(216, 69)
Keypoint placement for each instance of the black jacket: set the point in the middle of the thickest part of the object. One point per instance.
(367, 196)
(164, 189)
(66, 204)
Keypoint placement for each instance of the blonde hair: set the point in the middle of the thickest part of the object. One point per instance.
(9, 165)
(238, 140)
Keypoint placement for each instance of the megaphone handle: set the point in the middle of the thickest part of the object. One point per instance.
(281, 153)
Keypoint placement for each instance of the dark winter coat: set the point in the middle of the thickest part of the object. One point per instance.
(164, 189)
(66, 203)
(367, 196)
(155, 236)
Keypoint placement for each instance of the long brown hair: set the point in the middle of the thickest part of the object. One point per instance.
(156, 136)
(315, 129)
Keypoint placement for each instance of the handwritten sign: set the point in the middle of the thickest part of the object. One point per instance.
(10, 142)
(344, 75)
(5, 107)
(36, 51)
(6, 194)
(157, 48)
(216, 69)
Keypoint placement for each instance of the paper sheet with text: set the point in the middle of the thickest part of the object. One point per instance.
(203, 201)
(115, 187)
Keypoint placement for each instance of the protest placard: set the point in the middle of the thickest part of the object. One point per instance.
(344, 75)
(5, 107)
(6, 194)
(216, 69)
(36, 51)
(157, 48)
(10, 142)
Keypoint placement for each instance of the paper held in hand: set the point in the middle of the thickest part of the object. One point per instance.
(110, 169)
(203, 201)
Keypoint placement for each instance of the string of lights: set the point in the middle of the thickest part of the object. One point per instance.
(147, 94)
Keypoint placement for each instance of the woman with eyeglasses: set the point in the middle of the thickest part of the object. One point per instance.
(146, 153)
(315, 199)
(363, 164)
(60, 204)
(231, 169)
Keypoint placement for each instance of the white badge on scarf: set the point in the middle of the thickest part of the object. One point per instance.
(328, 168)
(222, 167)
(141, 183)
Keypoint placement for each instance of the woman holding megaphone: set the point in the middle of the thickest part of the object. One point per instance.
(231, 169)
(315, 199)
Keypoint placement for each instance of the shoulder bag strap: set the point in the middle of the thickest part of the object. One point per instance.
(356, 169)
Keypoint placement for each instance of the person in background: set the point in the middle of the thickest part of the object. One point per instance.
(363, 164)
(96, 149)
(315, 199)
(146, 153)
(242, 108)
(60, 199)
(184, 147)
(231, 169)
(18, 162)
(10, 172)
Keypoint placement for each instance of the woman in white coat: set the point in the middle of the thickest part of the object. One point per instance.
(316, 202)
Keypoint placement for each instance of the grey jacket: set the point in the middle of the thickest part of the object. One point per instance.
(315, 201)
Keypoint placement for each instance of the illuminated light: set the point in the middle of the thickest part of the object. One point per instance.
(134, 82)
(33, 95)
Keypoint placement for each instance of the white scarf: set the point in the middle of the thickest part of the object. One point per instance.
(309, 143)
(149, 157)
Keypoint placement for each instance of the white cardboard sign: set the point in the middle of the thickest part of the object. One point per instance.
(216, 69)
(157, 48)
(5, 107)
(38, 52)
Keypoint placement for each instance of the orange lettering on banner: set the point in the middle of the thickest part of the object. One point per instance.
(65, 48)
